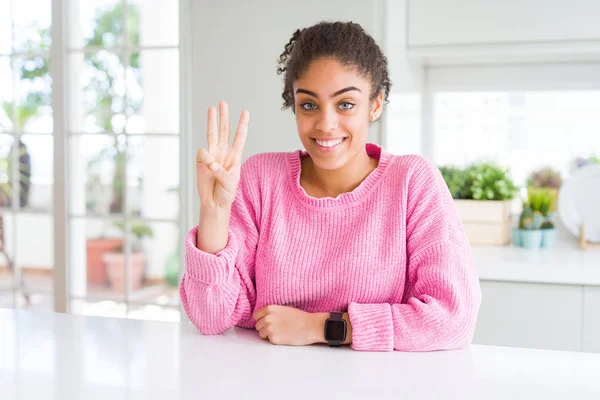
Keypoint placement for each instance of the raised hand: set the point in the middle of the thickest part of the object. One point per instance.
(218, 168)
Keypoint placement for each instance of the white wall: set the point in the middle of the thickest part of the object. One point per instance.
(440, 22)
(236, 45)
(402, 121)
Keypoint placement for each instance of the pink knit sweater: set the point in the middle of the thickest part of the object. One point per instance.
(392, 253)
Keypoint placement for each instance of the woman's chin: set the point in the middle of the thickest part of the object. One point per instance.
(328, 164)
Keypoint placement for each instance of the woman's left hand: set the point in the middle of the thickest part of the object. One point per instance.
(289, 326)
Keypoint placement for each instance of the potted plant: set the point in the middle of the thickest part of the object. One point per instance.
(482, 194)
(456, 179)
(97, 247)
(547, 227)
(535, 228)
(115, 259)
(545, 179)
(529, 232)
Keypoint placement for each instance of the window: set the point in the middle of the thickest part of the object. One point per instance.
(123, 141)
(26, 155)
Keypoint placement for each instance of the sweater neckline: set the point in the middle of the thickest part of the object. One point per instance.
(357, 195)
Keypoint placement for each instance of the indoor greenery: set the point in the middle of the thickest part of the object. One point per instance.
(529, 219)
(19, 112)
(139, 231)
(479, 181)
(539, 201)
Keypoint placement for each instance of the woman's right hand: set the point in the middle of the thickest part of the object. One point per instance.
(218, 168)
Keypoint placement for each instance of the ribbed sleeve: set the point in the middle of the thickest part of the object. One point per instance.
(443, 295)
(218, 290)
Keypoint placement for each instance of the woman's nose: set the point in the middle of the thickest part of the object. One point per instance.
(327, 121)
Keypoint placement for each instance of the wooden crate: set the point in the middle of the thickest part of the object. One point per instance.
(486, 222)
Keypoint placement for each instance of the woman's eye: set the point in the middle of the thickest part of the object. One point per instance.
(346, 105)
(308, 106)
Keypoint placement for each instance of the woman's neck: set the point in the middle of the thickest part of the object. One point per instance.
(325, 183)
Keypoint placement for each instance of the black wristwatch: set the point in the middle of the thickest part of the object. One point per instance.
(335, 329)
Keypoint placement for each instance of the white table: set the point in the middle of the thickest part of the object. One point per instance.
(57, 356)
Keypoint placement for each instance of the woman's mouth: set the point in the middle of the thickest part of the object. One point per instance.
(329, 144)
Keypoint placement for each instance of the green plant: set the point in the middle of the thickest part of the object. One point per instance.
(456, 180)
(543, 199)
(547, 224)
(545, 177)
(489, 181)
(482, 181)
(139, 231)
(23, 176)
(34, 73)
(529, 219)
(540, 201)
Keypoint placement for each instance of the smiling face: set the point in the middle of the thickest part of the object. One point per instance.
(333, 111)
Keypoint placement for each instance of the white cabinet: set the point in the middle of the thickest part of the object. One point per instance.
(591, 319)
(468, 22)
(543, 316)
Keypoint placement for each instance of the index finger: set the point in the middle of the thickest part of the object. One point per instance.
(259, 314)
(211, 128)
(240, 135)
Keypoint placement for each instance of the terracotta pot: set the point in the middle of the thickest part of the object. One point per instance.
(95, 249)
(115, 268)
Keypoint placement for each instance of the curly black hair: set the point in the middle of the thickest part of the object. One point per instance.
(347, 42)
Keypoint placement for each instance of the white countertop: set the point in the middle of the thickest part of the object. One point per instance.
(565, 264)
(64, 357)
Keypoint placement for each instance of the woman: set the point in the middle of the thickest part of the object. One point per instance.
(342, 243)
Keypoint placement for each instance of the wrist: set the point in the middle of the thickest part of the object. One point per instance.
(214, 211)
(318, 327)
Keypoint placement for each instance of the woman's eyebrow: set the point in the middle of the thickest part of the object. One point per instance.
(308, 92)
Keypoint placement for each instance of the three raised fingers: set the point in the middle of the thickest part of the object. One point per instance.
(222, 137)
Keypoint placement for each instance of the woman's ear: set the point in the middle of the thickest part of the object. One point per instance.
(376, 107)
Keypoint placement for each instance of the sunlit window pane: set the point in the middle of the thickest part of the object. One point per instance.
(33, 88)
(97, 23)
(31, 23)
(152, 95)
(145, 15)
(5, 27)
(6, 95)
(97, 94)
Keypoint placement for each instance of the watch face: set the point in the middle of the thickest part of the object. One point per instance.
(335, 330)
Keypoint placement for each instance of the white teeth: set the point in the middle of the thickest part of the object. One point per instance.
(329, 143)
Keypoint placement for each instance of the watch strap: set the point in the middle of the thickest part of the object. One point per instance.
(336, 315)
